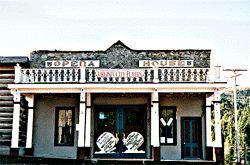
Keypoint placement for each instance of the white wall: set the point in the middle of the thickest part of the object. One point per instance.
(44, 125)
(186, 107)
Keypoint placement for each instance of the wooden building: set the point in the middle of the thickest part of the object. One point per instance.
(119, 103)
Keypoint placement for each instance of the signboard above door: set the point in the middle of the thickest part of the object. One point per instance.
(166, 63)
(72, 63)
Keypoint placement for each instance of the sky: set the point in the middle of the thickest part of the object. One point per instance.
(220, 25)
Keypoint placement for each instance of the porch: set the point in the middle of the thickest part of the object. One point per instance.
(84, 82)
(42, 160)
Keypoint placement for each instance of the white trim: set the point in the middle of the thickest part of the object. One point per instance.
(120, 85)
(111, 88)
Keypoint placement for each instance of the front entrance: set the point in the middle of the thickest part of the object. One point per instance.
(120, 132)
(191, 138)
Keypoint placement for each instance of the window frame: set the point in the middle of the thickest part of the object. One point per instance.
(174, 125)
(57, 126)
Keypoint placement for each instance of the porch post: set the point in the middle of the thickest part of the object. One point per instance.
(88, 121)
(81, 126)
(219, 151)
(155, 126)
(218, 141)
(14, 150)
(209, 145)
(29, 149)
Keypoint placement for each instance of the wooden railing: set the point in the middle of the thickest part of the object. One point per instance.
(89, 75)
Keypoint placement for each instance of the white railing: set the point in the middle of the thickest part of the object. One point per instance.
(87, 75)
(184, 75)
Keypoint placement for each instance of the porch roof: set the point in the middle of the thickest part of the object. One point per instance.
(118, 88)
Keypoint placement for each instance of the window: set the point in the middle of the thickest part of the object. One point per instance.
(64, 131)
(168, 126)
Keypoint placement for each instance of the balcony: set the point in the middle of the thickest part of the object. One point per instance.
(89, 75)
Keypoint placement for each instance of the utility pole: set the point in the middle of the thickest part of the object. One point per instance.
(236, 74)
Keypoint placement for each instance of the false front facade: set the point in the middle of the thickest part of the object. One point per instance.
(119, 103)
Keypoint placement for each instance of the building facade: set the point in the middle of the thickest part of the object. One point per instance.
(119, 103)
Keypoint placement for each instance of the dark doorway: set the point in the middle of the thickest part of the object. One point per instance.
(191, 137)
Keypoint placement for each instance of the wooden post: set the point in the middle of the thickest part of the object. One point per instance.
(14, 150)
(208, 121)
(29, 149)
(218, 140)
(155, 142)
(84, 126)
(209, 145)
(81, 125)
(88, 121)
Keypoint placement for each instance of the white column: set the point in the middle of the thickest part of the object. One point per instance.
(88, 121)
(155, 119)
(208, 121)
(218, 140)
(81, 125)
(30, 99)
(16, 118)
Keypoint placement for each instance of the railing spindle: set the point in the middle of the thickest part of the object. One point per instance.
(95, 75)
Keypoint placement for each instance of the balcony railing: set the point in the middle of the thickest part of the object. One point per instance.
(87, 75)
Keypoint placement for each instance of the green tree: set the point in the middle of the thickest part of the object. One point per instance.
(228, 125)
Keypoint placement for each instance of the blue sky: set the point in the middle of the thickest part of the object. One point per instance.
(220, 25)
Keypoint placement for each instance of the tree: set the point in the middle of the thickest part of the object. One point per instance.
(227, 121)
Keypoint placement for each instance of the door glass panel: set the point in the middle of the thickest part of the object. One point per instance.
(133, 135)
(106, 136)
(133, 120)
(187, 132)
(107, 119)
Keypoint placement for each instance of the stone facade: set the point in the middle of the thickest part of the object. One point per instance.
(120, 53)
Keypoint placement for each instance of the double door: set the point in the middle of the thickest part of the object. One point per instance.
(120, 132)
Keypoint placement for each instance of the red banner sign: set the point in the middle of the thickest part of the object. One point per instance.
(132, 73)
